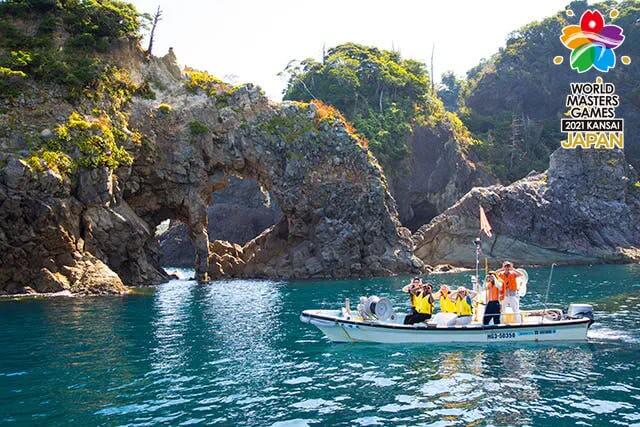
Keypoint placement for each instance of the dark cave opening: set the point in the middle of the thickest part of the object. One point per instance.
(238, 213)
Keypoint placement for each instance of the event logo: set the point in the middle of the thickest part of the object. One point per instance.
(592, 43)
(590, 120)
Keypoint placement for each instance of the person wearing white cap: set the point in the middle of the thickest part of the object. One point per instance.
(464, 308)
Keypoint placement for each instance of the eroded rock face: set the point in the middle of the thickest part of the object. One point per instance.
(238, 213)
(41, 237)
(95, 233)
(339, 219)
(435, 176)
(584, 209)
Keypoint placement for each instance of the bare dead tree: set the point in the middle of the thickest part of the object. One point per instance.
(433, 49)
(157, 17)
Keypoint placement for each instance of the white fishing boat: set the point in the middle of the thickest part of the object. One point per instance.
(535, 325)
(375, 319)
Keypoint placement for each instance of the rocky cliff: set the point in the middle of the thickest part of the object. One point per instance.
(86, 180)
(338, 217)
(239, 213)
(425, 150)
(584, 209)
(437, 173)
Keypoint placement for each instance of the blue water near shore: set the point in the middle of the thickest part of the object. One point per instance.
(235, 353)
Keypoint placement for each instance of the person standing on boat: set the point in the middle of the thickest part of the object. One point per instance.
(510, 297)
(447, 305)
(492, 309)
(421, 301)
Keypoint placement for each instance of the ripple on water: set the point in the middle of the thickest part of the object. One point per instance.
(298, 380)
(235, 353)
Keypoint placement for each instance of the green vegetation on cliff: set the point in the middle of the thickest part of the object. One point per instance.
(66, 46)
(28, 45)
(296, 125)
(383, 94)
(204, 82)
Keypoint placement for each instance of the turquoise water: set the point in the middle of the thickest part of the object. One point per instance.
(235, 353)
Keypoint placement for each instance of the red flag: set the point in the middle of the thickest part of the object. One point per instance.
(484, 223)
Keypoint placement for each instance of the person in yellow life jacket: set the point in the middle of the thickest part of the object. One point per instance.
(421, 301)
(447, 305)
(492, 309)
(415, 284)
(510, 298)
(464, 308)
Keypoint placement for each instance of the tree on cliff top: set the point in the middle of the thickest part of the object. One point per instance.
(380, 92)
(450, 90)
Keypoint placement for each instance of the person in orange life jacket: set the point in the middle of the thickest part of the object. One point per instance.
(510, 297)
(492, 310)
(464, 308)
(421, 301)
(447, 305)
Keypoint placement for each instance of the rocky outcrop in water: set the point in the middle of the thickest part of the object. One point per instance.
(239, 212)
(338, 217)
(93, 231)
(584, 209)
(47, 236)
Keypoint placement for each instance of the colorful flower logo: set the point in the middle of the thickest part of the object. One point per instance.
(592, 43)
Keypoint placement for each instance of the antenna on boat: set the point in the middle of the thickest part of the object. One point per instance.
(546, 297)
(476, 284)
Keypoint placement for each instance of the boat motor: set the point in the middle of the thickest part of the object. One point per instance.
(374, 307)
(580, 311)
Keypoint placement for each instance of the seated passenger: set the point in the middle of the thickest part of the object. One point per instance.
(421, 303)
(447, 305)
(416, 281)
(492, 310)
(464, 307)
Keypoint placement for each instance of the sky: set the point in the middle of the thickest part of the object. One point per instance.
(252, 41)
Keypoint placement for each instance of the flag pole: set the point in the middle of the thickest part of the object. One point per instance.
(478, 243)
(485, 228)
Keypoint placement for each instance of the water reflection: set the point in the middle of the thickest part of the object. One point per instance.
(501, 385)
(172, 303)
(244, 315)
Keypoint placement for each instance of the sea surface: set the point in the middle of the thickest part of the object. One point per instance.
(235, 353)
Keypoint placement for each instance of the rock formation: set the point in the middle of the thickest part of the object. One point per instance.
(42, 242)
(584, 209)
(436, 174)
(239, 213)
(93, 231)
(339, 219)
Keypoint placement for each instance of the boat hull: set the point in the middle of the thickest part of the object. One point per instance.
(339, 329)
